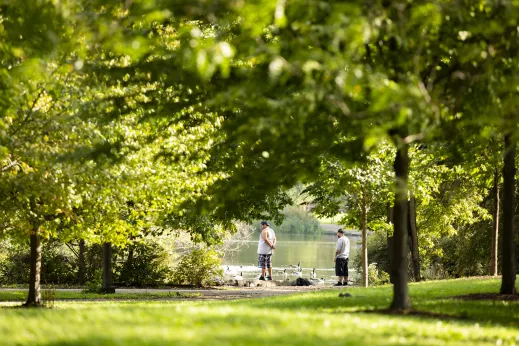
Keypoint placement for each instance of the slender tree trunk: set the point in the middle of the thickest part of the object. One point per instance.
(108, 286)
(495, 227)
(81, 265)
(364, 240)
(390, 243)
(413, 238)
(399, 261)
(129, 264)
(508, 242)
(34, 298)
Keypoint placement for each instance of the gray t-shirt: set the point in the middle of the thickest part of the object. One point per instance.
(343, 246)
(263, 247)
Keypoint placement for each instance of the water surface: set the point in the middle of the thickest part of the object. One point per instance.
(311, 251)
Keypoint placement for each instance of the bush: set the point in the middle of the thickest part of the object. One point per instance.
(377, 277)
(148, 266)
(200, 267)
(58, 264)
(94, 285)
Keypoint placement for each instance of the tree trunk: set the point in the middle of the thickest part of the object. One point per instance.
(390, 243)
(495, 226)
(364, 240)
(508, 242)
(34, 298)
(108, 286)
(413, 237)
(399, 259)
(81, 265)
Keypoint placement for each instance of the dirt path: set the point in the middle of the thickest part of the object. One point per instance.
(225, 293)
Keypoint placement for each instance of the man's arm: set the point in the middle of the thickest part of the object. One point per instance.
(337, 251)
(264, 235)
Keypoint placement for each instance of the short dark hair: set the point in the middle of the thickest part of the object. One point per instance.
(340, 231)
(265, 223)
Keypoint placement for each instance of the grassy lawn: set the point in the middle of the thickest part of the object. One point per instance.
(320, 318)
(21, 295)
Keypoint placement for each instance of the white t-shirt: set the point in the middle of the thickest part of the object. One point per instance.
(343, 246)
(263, 247)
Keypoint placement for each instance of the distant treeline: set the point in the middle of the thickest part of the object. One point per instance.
(297, 221)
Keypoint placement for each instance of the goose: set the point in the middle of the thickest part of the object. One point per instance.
(295, 266)
(298, 273)
(238, 277)
(317, 282)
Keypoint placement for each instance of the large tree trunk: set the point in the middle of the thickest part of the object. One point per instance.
(364, 240)
(413, 237)
(390, 243)
(108, 286)
(495, 226)
(508, 242)
(81, 265)
(399, 261)
(34, 298)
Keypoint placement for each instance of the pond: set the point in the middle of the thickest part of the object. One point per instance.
(312, 251)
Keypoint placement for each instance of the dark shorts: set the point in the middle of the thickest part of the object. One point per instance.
(341, 267)
(265, 261)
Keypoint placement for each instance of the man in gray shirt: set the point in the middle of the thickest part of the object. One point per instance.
(342, 254)
(267, 243)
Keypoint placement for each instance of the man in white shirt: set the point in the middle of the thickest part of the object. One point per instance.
(267, 243)
(342, 254)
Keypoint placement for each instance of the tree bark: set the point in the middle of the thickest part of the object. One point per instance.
(495, 226)
(34, 297)
(399, 260)
(508, 242)
(413, 238)
(390, 243)
(108, 286)
(81, 264)
(364, 240)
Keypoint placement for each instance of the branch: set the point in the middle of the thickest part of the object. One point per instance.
(12, 164)
(73, 250)
(29, 114)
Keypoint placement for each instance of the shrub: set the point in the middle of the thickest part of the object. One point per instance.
(148, 266)
(94, 285)
(200, 267)
(377, 277)
(58, 264)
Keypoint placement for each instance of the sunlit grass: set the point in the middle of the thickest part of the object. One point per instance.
(317, 318)
(21, 295)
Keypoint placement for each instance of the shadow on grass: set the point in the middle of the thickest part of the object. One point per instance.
(417, 313)
(488, 296)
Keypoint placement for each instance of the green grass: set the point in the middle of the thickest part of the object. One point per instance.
(320, 318)
(21, 295)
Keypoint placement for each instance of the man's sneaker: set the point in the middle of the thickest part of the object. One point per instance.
(261, 278)
(269, 278)
(345, 283)
(338, 284)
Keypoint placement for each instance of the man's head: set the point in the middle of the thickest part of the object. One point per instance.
(340, 233)
(264, 224)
